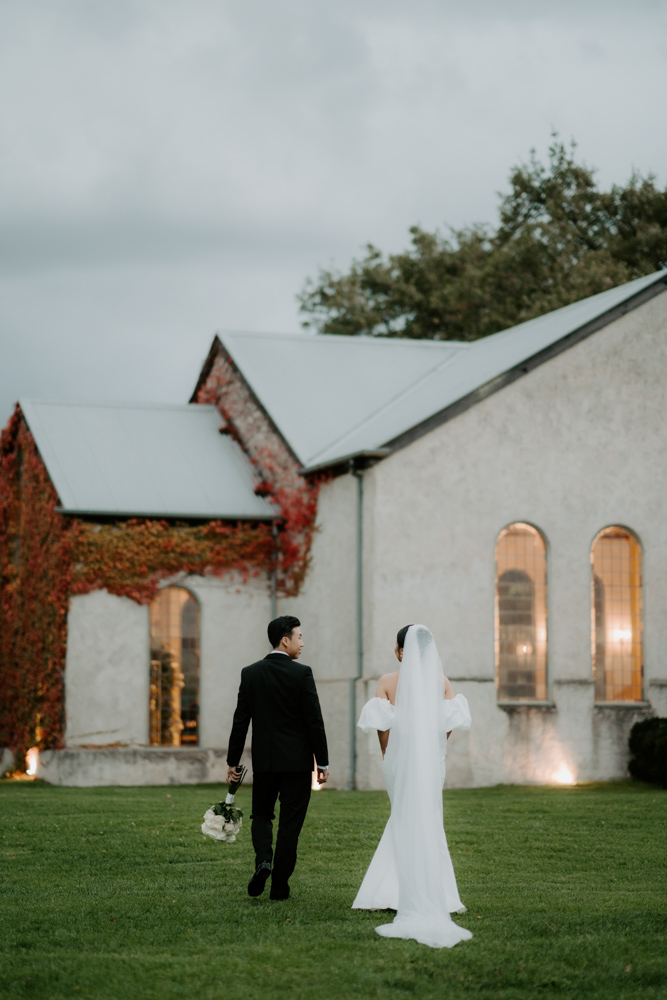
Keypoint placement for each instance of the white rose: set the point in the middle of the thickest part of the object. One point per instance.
(212, 825)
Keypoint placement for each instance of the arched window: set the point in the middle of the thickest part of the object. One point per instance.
(174, 688)
(521, 614)
(616, 614)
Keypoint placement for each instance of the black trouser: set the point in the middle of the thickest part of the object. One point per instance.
(293, 787)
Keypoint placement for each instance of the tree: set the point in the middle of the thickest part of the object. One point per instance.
(558, 239)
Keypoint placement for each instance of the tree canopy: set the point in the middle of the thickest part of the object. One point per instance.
(558, 239)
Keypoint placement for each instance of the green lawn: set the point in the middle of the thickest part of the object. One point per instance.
(113, 893)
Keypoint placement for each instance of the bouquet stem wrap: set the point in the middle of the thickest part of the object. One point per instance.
(224, 820)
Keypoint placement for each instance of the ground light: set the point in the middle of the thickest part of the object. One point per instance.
(564, 776)
(32, 759)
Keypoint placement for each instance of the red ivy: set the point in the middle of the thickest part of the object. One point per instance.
(34, 596)
(130, 559)
(45, 558)
(295, 495)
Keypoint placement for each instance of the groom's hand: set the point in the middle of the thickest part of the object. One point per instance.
(232, 774)
(322, 776)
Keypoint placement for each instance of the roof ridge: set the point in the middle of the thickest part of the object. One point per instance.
(573, 306)
(348, 339)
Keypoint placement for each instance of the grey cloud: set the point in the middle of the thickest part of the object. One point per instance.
(172, 166)
(35, 245)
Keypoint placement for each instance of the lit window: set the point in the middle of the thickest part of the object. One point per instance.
(521, 614)
(174, 689)
(616, 613)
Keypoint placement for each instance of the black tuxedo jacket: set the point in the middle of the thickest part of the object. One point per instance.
(279, 696)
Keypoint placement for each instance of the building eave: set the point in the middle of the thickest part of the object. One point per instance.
(355, 458)
(164, 516)
(525, 367)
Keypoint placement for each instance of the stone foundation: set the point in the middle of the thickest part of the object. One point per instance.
(83, 767)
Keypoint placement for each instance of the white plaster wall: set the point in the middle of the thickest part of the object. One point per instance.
(326, 608)
(6, 761)
(326, 605)
(106, 671)
(575, 445)
(234, 616)
(107, 676)
(108, 660)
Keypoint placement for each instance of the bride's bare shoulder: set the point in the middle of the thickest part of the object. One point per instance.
(387, 686)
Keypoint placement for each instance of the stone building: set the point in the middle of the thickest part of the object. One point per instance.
(507, 493)
(147, 686)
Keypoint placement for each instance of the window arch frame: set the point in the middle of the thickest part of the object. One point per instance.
(195, 597)
(633, 534)
(547, 701)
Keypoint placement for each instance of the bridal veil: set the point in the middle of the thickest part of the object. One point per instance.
(419, 843)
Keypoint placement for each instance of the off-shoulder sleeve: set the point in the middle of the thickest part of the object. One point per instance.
(378, 713)
(457, 713)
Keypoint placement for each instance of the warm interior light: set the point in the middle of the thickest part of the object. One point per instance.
(622, 633)
(32, 758)
(564, 776)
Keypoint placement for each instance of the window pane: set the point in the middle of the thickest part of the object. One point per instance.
(174, 688)
(521, 614)
(617, 643)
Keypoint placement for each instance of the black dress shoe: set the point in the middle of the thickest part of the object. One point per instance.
(258, 881)
(279, 890)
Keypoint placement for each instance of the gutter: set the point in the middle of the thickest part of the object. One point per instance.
(162, 515)
(346, 460)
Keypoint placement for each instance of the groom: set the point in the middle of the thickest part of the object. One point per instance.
(279, 696)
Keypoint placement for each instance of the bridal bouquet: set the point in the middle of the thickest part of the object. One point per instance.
(224, 820)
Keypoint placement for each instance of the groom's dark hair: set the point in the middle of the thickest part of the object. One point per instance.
(279, 627)
(400, 637)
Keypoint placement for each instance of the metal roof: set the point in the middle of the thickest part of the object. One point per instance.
(143, 460)
(320, 389)
(335, 396)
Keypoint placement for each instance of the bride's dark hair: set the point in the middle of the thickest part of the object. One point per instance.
(400, 636)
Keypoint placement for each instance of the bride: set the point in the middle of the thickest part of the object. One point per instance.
(414, 712)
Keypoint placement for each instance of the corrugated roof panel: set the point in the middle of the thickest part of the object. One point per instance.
(318, 388)
(485, 360)
(158, 460)
(335, 396)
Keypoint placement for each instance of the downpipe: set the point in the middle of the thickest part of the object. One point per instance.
(352, 782)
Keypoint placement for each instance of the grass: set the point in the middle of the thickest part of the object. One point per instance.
(112, 893)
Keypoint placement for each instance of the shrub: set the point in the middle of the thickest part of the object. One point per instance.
(648, 746)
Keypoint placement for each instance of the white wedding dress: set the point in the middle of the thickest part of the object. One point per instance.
(411, 871)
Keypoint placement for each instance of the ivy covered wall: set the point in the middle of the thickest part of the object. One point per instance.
(45, 558)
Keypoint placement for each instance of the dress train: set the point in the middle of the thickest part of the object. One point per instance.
(421, 915)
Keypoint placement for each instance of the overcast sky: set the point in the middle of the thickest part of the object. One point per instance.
(169, 168)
